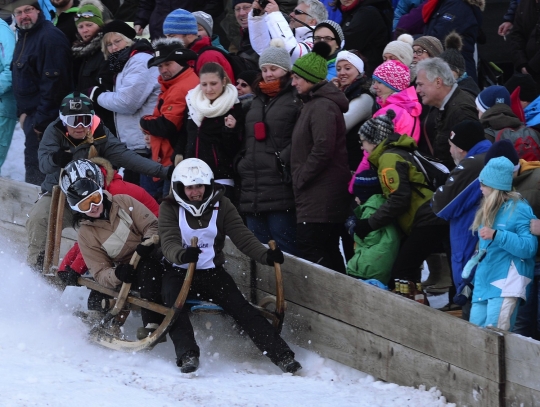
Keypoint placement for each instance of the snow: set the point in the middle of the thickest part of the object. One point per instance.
(46, 359)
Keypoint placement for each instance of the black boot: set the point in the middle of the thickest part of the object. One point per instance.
(189, 362)
(288, 364)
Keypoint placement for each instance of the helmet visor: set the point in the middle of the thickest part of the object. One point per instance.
(85, 205)
(77, 120)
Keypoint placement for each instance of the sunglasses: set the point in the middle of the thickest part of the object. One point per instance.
(85, 205)
(77, 120)
(242, 84)
(84, 14)
(300, 12)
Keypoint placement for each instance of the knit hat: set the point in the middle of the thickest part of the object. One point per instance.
(353, 59)
(90, 10)
(503, 148)
(205, 20)
(180, 21)
(237, 2)
(497, 174)
(393, 74)
(276, 54)
(452, 55)
(467, 134)
(491, 96)
(401, 48)
(313, 66)
(431, 44)
(366, 184)
(336, 30)
(170, 49)
(378, 129)
(248, 76)
(118, 26)
(528, 91)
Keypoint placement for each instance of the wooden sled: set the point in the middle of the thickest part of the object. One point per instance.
(118, 308)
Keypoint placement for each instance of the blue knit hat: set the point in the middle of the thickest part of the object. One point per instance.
(491, 96)
(180, 21)
(502, 148)
(497, 174)
(366, 184)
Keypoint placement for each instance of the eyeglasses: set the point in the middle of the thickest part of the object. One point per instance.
(77, 120)
(300, 12)
(325, 39)
(115, 42)
(85, 14)
(244, 8)
(242, 84)
(27, 10)
(85, 205)
(419, 51)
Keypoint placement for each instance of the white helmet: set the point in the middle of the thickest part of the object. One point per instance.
(192, 171)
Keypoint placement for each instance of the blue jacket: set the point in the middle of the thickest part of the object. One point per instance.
(8, 107)
(508, 266)
(457, 201)
(42, 72)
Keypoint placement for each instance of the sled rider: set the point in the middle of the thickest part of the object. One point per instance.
(198, 208)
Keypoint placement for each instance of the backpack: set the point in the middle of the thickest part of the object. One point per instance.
(238, 64)
(525, 140)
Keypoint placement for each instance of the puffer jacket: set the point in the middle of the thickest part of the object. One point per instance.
(404, 186)
(107, 145)
(8, 106)
(135, 95)
(261, 186)
(319, 157)
(229, 223)
(513, 245)
(101, 253)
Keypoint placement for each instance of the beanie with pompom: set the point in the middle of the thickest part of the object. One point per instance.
(277, 55)
(378, 129)
(313, 67)
(401, 49)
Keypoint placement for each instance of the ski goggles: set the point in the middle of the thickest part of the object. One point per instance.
(77, 120)
(84, 14)
(85, 205)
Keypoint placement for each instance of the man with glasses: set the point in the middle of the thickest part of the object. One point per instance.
(42, 76)
(242, 8)
(268, 23)
(77, 133)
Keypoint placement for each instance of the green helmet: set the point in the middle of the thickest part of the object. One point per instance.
(76, 103)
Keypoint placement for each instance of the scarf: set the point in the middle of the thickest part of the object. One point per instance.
(350, 7)
(117, 60)
(200, 106)
(82, 49)
(428, 9)
(271, 88)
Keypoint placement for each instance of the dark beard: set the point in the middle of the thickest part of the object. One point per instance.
(60, 3)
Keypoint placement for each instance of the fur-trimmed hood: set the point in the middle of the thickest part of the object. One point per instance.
(83, 49)
(106, 168)
(481, 4)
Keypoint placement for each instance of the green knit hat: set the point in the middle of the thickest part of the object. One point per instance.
(313, 67)
(90, 10)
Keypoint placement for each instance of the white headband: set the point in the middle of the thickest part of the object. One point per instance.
(352, 58)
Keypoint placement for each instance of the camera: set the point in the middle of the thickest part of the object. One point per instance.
(75, 104)
(263, 3)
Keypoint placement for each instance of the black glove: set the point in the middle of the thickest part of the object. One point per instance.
(125, 273)
(350, 224)
(170, 171)
(93, 93)
(68, 276)
(144, 251)
(274, 256)
(191, 255)
(362, 228)
(62, 158)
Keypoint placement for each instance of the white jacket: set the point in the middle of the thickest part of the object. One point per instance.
(262, 29)
(135, 95)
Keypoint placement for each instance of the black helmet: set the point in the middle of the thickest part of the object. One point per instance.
(79, 179)
(76, 103)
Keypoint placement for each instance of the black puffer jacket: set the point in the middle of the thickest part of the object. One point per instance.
(261, 187)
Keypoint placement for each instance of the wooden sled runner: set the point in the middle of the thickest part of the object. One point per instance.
(117, 309)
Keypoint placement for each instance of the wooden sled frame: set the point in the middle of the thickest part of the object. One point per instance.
(100, 334)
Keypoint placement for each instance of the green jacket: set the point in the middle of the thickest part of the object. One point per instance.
(375, 254)
(407, 196)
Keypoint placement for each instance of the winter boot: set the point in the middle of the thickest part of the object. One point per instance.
(189, 362)
(144, 332)
(440, 274)
(288, 364)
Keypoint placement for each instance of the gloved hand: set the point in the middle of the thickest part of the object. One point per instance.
(94, 92)
(362, 228)
(68, 276)
(350, 223)
(191, 255)
(144, 251)
(62, 158)
(125, 273)
(274, 256)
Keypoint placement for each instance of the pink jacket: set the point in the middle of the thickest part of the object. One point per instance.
(407, 120)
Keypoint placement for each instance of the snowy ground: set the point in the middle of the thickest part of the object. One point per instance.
(45, 359)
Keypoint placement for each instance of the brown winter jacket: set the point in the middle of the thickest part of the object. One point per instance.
(319, 164)
(229, 223)
(106, 243)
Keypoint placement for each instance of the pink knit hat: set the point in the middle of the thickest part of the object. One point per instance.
(393, 74)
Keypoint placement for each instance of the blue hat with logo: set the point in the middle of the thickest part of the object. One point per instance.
(491, 96)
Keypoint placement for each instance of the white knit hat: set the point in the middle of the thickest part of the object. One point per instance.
(401, 48)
